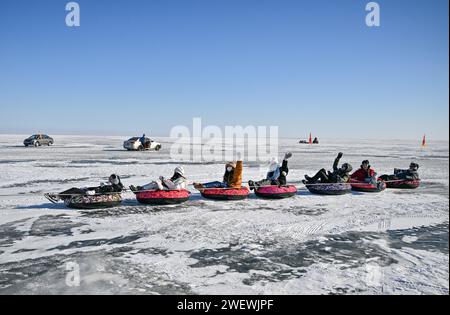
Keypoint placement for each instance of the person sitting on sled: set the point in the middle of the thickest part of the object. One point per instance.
(114, 185)
(231, 179)
(365, 174)
(399, 174)
(176, 182)
(338, 175)
(276, 176)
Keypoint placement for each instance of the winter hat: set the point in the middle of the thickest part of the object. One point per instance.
(179, 170)
(347, 167)
(274, 165)
(114, 179)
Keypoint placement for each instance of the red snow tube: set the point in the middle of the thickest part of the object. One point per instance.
(225, 193)
(403, 184)
(163, 197)
(276, 192)
(367, 187)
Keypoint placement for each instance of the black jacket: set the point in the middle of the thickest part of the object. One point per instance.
(282, 179)
(107, 189)
(406, 174)
(338, 175)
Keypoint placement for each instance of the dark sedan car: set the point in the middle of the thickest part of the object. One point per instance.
(38, 140)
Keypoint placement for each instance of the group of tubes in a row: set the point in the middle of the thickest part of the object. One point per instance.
(165, 191)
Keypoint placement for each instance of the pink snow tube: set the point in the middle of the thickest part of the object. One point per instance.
(276, 192)
(163, 197)
(225, 193)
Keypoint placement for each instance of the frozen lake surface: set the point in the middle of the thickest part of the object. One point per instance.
(395, 242)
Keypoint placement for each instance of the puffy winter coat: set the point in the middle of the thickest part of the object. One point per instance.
(361, 175)
(277, 177)
(406, 174)
(107, 189)
(234, 178)
(339, 175)
(175, 183)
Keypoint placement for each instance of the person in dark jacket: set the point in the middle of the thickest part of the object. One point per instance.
(399, 174)
(143, 140)
(338, 175)
(114, 186)
(276, 176)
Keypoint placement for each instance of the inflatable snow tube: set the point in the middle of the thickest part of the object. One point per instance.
(403, 184)
(163, 197)
(367, 187)
(329, 189)
(276, 192)
(93, 202)
(226, 193)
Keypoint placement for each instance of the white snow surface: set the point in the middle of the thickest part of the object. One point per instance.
(394, 242)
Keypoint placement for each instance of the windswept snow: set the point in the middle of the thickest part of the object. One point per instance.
(395, 242)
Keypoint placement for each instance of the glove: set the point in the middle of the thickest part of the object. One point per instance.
(340, 155)
(284, 174)
(161, 178)
(287, 156)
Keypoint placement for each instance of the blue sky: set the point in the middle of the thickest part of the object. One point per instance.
(141, 65)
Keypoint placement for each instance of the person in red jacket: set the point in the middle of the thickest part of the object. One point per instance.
(365, 174)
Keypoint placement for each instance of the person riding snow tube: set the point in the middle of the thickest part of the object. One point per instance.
(96, 196)
(330, 183)
(177, 182)
(165, 191)
(231, 186)
(365, 179)
(276, 176)
(365, 174)
(406, 179)
(338, 175)
(231, 179)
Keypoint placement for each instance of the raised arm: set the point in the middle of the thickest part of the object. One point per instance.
(336, 161)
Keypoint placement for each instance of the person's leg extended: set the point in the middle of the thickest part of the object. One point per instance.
(214, 185)
(321, 175)
(150, 186)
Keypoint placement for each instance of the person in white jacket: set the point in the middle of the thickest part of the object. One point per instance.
(176, 182)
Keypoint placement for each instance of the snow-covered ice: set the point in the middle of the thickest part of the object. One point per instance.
(395, 242)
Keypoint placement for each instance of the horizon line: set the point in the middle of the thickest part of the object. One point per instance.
(166, 136)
